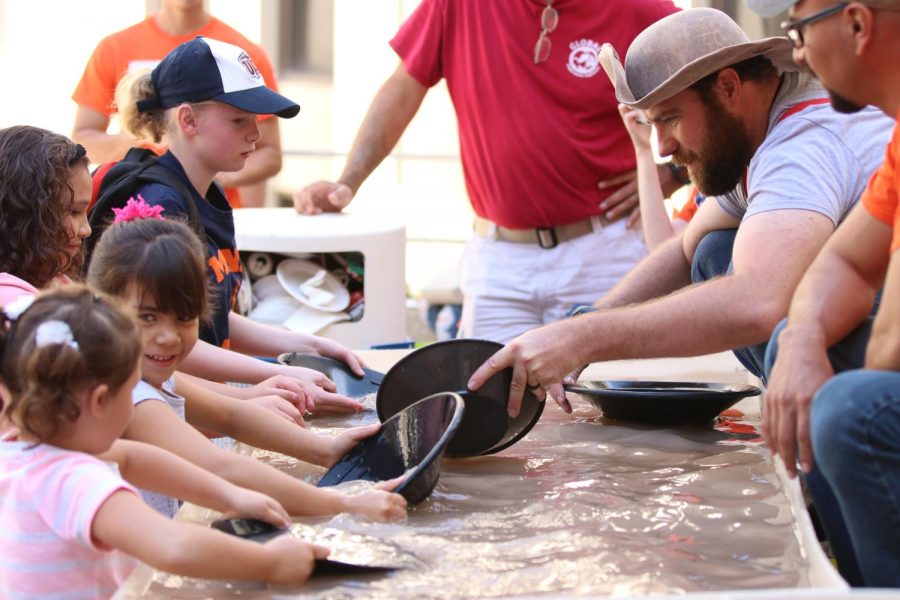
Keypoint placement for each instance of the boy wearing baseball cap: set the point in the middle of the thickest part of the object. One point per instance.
(204, 98)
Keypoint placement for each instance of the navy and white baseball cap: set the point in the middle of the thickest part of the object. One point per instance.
(770, 8)
(207, 69)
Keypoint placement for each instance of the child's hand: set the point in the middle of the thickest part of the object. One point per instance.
(379, 504)
(332, 402)
(286, 387)
(246, 503)
(341, 444)
(638, 128)
(331, 349)
(292, 560)
(280, 407)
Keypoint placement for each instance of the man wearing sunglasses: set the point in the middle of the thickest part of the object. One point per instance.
(538, 133)
(846, 427)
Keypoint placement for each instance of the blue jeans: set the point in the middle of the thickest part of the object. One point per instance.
(855, 428)
(838, 461)
(712, 259)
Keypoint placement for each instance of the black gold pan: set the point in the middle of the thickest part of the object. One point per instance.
(661, 402)
(486, 426)
(260, 531)
(347, 382)
(409, 444)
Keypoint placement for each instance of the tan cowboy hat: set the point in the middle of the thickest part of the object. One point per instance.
(681, 49)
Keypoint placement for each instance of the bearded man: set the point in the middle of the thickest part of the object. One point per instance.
(757, 132)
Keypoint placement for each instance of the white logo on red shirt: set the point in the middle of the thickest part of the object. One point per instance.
(583, 58)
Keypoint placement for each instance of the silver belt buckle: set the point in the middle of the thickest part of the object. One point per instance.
(546, 237)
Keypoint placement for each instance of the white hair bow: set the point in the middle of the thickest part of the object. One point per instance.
(54, 332)
(15, 308)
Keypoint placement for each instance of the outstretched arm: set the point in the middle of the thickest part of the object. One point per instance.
(260, 428)
(160, 471)
(155, 423)
(211, 362)
(391, 110)
(124, 522)
(772, 251)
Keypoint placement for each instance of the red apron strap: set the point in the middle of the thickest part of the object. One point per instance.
(800, 106)
(792, 110)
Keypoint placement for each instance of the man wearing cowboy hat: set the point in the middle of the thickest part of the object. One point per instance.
(757, 133)
(847, 426)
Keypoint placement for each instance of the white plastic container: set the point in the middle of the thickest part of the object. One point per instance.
(381, 242)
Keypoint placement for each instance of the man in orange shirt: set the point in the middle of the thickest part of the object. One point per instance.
(144, 45)
(850, 422)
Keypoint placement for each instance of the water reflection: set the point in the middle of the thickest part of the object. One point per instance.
(580, 506)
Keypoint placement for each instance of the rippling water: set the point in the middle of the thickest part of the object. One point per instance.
(580, 506)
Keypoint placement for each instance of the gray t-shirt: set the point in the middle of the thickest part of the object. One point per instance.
(143, 391)
(816, 159)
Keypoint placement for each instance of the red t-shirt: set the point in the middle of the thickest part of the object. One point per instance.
(882, 196)
(144, 45)
(534, 139)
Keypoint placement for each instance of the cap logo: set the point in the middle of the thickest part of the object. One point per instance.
(248, 65)
(583, 58)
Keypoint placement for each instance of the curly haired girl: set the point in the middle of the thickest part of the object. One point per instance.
(43, 209)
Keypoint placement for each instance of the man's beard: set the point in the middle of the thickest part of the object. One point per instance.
(841, 104)
(838, 102)
(718, 167)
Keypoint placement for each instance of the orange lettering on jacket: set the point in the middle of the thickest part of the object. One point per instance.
(223, 263)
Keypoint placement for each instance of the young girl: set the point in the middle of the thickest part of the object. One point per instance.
(156, 267)
(69, 362)
(45, 191)
(211, 127)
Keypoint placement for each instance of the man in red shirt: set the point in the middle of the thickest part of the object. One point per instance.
(846, 427)
(538, 130)
(144, 45)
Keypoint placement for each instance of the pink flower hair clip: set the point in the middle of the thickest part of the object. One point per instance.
(137, 209)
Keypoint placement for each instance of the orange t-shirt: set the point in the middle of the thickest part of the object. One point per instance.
(882, 196)
(687, 212)
(144, 45)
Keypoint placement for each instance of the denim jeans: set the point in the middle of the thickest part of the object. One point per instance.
(855, 483)
(855, 428)
(712, 259)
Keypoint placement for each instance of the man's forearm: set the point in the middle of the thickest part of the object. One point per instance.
(715, 316)
(831, 298)
(391, 110)
(662, 272)
(883, 351)
(102, 147)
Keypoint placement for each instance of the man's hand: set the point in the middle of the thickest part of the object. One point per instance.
(624, 199)
(322, 196)
(540, 359)
(800, 370)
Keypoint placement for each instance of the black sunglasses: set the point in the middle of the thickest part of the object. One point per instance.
(794, 29)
